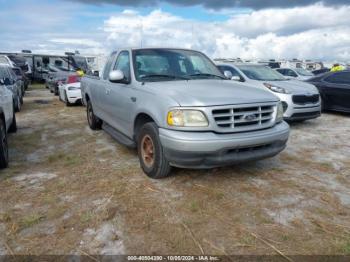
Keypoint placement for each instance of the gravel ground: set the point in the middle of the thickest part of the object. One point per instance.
(70, 190)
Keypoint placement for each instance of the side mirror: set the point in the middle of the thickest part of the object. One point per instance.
(2, 82)
(116, 76)
(228, 74)
(96, 73)
(236, 78)
(7, 81)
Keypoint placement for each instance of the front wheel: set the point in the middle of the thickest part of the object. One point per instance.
(13, 126)
(66, 99)
(4, 155)
(94, 122)
(150, 151)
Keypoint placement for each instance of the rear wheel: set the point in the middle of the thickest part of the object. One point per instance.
(4, 156)
(18, 104)
(150, 151)
(94, 122)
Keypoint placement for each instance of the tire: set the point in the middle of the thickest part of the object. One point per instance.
(4, 155)
(66, 99)
(18, 104)
(153, 161)
(13, 126)
(56, 91)
(94, 122)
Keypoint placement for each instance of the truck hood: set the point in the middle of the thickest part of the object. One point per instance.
(210, 92)
(295, 86)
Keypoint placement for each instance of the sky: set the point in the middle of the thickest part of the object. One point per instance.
(249, 29)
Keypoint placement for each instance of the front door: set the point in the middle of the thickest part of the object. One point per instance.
(118, 96)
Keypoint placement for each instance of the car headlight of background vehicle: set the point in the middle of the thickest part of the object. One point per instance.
(71, 88)
(276, 89)
(280, 112)
(186, 118)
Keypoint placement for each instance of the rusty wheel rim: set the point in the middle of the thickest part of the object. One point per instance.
(147, 151)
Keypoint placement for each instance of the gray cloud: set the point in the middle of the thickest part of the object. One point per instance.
(214, 4)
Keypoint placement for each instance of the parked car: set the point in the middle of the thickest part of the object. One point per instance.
(11, 82)
(334, 88)
(301, 101)
(177, 108)
(320, 71)
(21, 78)
(7, 118)
(16, 60)
(55, 78)
(297, 73)
(70, 92)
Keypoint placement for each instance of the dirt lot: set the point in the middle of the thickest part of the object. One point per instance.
(70, 190)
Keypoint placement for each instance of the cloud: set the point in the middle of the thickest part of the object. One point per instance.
(257, 35)
(214, 4)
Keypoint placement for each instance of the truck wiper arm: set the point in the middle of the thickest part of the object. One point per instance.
(206, 74)
(164, 75)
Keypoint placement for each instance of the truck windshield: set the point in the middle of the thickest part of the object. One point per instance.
(261, 73)
(173, 64)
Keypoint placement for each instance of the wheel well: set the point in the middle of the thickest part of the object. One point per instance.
(140, 120)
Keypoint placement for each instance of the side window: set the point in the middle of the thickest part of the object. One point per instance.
(291, 73)
(123, 64)
(228, 68)
(339, 78)
(107, 67)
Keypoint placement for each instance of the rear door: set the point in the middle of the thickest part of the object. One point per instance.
(336, 89)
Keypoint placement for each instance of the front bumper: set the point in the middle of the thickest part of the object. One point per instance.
(296, 112)
(74, 96)
(208, 149)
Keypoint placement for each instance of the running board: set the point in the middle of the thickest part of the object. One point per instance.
(121, 138)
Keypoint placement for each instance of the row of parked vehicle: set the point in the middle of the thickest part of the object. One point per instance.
(13, 84)
(180, 109)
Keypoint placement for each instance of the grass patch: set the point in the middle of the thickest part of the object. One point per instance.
(31, 220)
(36, 86)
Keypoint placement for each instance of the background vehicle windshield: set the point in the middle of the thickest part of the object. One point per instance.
(303, 72)
(262, 73)
(173, 64)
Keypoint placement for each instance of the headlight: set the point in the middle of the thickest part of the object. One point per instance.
(276, 89)
(73, 88)
(280, 112)
(186, 118)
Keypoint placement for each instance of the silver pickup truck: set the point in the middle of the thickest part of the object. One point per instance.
(178, 109)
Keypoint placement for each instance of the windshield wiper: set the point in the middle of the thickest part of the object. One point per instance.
(206, 74)
(166, 76)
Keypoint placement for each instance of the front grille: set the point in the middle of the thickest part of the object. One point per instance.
(304, 99)
(244, 118)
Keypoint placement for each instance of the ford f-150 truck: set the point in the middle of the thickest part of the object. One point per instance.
(178, 109)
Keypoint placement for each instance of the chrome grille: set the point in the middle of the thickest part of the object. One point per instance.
(244, 118)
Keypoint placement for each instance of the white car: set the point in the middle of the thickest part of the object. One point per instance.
(300, 100)
(70, 92)
(296, 73)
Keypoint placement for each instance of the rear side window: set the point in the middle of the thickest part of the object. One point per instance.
(339, 78)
